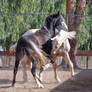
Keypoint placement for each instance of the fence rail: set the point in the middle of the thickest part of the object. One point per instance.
(84, 64)
(84, 53)
(78, 53)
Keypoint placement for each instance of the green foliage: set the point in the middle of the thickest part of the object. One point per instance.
(85, 32)
(18, 16)
(16, 24)
(83, 37)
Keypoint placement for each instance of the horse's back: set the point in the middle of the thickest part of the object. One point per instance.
(30, 32)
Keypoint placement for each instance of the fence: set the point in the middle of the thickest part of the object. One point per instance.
(18, 23)
(35, 21)
(83, 58)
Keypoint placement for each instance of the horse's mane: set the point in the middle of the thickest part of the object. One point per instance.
(46, 27)
(50, 18)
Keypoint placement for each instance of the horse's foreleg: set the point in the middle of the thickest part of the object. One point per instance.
(15, 71)
(43, 68)
(56, 76)
(46, 66)
(33, 71)
(67, 59)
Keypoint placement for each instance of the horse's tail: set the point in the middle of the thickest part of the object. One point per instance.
(71, 35)
(63, 35)
(38, 52)
(12, 49)
(60, 38)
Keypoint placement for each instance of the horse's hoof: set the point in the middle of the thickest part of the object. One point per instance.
(12, 85)
(41, 86)
(58, 80)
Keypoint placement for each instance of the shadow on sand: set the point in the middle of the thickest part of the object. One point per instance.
(82, 83)
(5, 82)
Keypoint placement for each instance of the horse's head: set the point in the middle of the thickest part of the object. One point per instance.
(55, 21)
(60, 23)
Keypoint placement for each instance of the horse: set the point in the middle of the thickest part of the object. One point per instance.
(59, 46)
(57, 41)
(31, 45)
(25, 61)
(12, 48)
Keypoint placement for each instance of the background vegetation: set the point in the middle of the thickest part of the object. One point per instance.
(18, 16)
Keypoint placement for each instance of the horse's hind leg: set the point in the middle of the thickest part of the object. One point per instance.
(67, 59)
(33, 71)
(56, 76)
(15, 71)
(24, 61)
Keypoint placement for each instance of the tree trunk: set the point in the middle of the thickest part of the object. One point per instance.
(70, 10)
(74, 22)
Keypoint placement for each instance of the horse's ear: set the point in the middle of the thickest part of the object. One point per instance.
(58, 12)
(62, 14)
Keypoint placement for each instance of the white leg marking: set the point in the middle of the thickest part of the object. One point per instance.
(46, 66)
(67, 59)
(38, 82)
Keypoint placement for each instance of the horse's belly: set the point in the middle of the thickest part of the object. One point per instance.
(66, 45)
(60, 54)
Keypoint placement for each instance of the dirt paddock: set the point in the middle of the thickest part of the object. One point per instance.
(82, 81)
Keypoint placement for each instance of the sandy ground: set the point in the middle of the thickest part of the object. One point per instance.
(82, 82)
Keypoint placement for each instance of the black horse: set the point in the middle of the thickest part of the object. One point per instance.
(31, 45)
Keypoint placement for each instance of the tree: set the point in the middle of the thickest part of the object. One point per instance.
(74, 21)
(18, 16)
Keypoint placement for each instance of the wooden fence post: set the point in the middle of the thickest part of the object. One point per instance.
(88, 48)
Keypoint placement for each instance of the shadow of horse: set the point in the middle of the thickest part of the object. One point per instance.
(5, 82)
(82, 83)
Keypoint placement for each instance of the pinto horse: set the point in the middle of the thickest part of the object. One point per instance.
(30, 45)
(59, 46)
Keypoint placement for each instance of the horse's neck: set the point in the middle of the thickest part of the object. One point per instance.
(48, 32)
(50, 29)
(67, 45)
